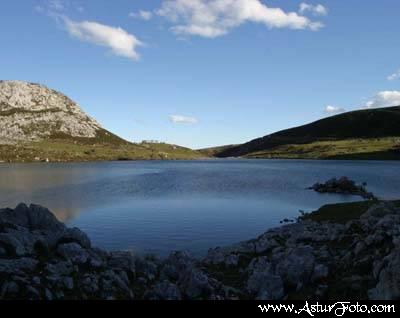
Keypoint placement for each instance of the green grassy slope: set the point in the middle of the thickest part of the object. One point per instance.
(342, 212)
(336, 137)
(105, 147)
(356, 149)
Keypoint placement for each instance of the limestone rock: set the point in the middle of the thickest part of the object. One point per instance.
(388, 287)
(31, 112)
(73, 252)
(40, 258)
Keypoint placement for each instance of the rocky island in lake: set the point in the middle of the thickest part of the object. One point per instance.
(343, 185)
(355, 255)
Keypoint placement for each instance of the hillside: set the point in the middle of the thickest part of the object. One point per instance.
(363, 134)
(213, 151)
(41, 124)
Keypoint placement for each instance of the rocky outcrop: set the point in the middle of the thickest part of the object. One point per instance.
(321, 260)
(31, 112)
(40, 258)
(343, 185)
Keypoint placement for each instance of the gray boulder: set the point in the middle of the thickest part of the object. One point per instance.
(219, 256)
(73, 252)
(20, 265)
(124, 261)
(297, 266)
(388, 287)
(164, 291)
(63, 268)
(11, 245)
(263, 282)
(266, 286)
(321, 272)
(195, 284)
(75, 235)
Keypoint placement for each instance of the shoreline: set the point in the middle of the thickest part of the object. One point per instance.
(4, 163)
(315, 258)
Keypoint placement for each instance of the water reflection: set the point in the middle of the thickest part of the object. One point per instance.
(161, 206)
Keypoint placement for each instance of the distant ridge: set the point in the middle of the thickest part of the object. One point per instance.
(361, 124)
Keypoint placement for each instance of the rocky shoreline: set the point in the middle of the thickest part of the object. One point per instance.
(40, 258)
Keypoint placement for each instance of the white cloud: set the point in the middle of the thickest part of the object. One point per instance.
(117, 39)
(394, 76)
(318, 9)
(384, 99)
(332, 110)
(144, 15)
(179, 119)
(213, 18)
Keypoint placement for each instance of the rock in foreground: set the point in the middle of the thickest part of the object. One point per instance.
(40, 258)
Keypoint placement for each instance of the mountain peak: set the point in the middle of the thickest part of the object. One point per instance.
(32, 112)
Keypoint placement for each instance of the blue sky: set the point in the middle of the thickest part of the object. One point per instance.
(206, 72)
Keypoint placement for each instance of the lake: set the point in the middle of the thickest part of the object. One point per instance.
(161, 206)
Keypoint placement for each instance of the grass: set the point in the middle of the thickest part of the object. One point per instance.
(364, 124)
(341, 212)
(14, 111)
(110, 147)
(85, 149)
(372, 149)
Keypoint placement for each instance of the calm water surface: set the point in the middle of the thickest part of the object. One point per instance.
(157, 207)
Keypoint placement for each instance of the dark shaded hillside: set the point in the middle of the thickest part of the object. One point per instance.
(211, 152)
(362, 124)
